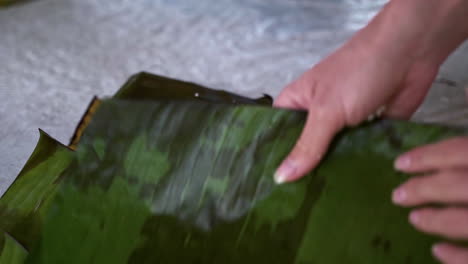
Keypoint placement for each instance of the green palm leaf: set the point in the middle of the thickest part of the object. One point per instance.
(187, 178)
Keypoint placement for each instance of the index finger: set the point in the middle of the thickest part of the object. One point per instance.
(446, 154)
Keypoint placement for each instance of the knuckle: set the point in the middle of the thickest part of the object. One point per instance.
(459, 216)
(353, 114)
(455, 144)
(461, 257)
(426, 219)
(452, 222)
(414, 183)
(461, 142)
(419, 158)
(303, 150)
(455, 184)
(419, 188)
(308, 87)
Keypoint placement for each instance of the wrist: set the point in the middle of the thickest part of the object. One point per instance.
(406, 31)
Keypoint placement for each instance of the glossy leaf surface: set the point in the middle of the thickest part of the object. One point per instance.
(179, 173)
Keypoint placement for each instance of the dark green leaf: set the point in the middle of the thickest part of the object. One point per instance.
(22, 204)
(11, 252)
(181, 182)
(170, 180)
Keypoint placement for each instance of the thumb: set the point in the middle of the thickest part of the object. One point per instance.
(319, 130)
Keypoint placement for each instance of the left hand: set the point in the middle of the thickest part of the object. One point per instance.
(445, 182)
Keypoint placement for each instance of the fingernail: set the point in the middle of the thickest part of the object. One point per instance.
(403, 163)
(284, 172)
(399, 196)
(414, 218)
(437, 250)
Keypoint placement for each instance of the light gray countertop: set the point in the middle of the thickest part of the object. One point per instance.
(55, 55)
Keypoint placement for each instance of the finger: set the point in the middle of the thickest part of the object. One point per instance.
(288, 101)
(292, 97)
(450, 254)
(320, 128)
(447, 154)
(444, 187)
(449, 222)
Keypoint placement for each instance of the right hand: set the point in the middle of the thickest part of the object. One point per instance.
(343, 90)
(391, 62)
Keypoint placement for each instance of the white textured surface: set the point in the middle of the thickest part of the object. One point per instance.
(56, 54)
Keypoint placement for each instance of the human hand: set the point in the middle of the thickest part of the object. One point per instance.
(444, 166)
(343, 90)
(391, 62)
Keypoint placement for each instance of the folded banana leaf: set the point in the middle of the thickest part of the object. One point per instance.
(29, 195)
(12, 252)
(176, 179)
(145, 86)
(22, 204)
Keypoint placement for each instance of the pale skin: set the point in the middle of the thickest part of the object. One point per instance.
(391, 62)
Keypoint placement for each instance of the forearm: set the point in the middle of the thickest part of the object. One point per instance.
(423, 30)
